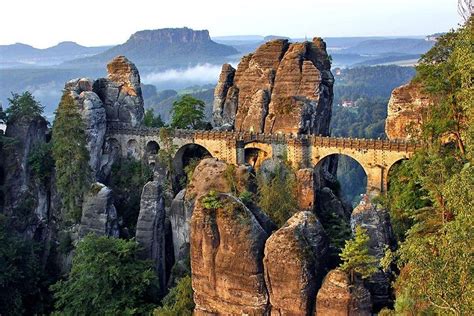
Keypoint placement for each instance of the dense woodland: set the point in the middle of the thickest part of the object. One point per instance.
(430, 199)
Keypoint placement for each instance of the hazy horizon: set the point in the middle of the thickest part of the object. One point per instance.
(98, 23)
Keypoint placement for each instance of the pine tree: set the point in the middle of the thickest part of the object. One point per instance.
(71, 157)
(356, 258)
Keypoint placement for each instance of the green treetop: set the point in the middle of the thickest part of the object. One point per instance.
(150, 120)
(355, 256)
(107, 278)
(71, 157)
(22, 106)
(187, 113)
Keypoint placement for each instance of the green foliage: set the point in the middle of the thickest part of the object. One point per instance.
(211, 201)
(187, 113)
(179, 300)
(167, 151)
(355, 256)
(150, 120)
(106, 278)
(41, 162)
(71, 157)
(20, 274)
(277, 194)
(246, 197)
(23, 106)
(189, 168)
(229, 175)
(127, 179)
(435, 259)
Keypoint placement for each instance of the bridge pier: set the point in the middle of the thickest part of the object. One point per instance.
(376, 180)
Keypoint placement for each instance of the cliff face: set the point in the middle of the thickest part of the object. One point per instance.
(406, 109)
(281, 87)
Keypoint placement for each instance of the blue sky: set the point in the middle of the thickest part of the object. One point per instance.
(105, 22)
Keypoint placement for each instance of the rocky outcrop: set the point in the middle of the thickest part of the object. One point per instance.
(93, 114)
(227, 246)
(306, 188)
(281, 87)
(150, 232)
(222, 113)
(376, 220)
(294, 261)
(99, 215)
(121, 93)
(25, 197)
(338, 297)
(179, 215)
(406, 108)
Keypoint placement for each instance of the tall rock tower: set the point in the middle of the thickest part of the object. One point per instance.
(280, 88)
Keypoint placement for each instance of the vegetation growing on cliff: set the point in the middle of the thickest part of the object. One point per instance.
(179, 300)
(107, 278)
(127, 179)
(23, 106)
(277, 194)
(71, 157)
(150, 120)
(435, 259)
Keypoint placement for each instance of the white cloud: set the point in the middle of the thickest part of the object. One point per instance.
(199, 74)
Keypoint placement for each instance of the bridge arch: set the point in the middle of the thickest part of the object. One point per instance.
(152, 148)
(351, 175)
(187, 155)
(255, 153)
(133, 150)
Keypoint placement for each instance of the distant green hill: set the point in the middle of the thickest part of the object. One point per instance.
(170, 47)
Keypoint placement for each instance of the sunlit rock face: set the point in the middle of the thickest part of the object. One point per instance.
(406, 108)
(281, 87)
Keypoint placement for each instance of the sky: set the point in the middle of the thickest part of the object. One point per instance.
(104, 22)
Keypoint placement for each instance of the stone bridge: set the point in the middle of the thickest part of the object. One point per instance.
(302, 151)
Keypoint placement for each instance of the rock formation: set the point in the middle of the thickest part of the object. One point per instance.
(121, 92)
(281, 87)
(376, 220)
(226, 259)
(99, 215)
(150, 232)
(180, 215)
(337, 297)
(93, 114)
(406, 108)
(294, 260)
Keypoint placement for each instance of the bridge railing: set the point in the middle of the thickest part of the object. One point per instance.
(315, 140)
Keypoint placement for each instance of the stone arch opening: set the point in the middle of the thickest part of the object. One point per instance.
(392, 169)
(152, 148)
(132, 149)
(256, 153)
(186, 158)
(344, 175)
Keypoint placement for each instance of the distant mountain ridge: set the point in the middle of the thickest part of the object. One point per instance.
(23, 53)
(165, 47)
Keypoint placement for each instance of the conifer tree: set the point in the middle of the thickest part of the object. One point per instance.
(71, 157)
(355, 256)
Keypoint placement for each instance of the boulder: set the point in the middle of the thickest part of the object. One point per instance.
(150, 232)
(338, 297)
(227, 245)
(406, 108)
(99, 215)
(294, 262)
(121, 93)
(376, 220)
(281, 87)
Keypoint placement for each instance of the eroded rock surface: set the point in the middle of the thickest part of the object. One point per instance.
(227, 246)
(150, 231)
(376, 220)
(294, 260)
(99, 215)
(93, 114)
(121, 93)
(338, 297)
(281, 87)
(406, 109)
